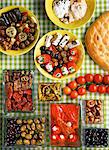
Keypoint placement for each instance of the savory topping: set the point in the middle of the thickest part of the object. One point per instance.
(89, 82)
(49, 91)
(25, 132)
(17, 30)
(65, 125)
(57, 58)
(18, 88)
(94, 112)
(69, 10)
(96, 137)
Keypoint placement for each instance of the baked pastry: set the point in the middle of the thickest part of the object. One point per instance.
(97, 41)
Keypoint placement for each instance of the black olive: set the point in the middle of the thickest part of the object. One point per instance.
(54, 68)
(56, 56)
(48, 52)
(51, 72)
(42, 48)
(60, 65)
(42, 66)
(43, 52)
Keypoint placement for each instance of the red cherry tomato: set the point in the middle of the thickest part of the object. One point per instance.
(74, 94)
(56, 130)
(81, 80)
(93, 88)
(81, 91)
(102, 89)
(106, 79)
(98, 78)
(73, 85)
(66, 90)
(89, 78)
(72, 138)
(107, 90)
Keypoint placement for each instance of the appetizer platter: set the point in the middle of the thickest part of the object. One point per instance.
(57, 95)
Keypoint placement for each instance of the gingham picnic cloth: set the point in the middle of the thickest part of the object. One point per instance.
(27, 62)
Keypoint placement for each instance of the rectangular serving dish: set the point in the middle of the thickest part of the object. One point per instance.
(4, 93)
(78, 144)
(4, 131)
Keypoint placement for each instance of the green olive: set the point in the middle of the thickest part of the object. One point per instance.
(38, 126)
(43, 119)
(42, 141)
(23, 134)
(33, 127)
(24, 121)
(30, 121)
(36, 121)
(36, 136)
(23, 128)
(19, 121)
(19, 142)
(27, 131)
(28, 127)
(41, 135)
(31, 132)
(28, 136)
(26, 142)
(33, 142)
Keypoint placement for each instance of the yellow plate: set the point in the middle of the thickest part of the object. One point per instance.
(27, 49)
(90, 10)
(41, 42)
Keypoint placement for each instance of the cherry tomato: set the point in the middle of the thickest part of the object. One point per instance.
(106, 79)
(98, 78)
(66, 90)
(107, 90)
(73, 85)
(89, 78)
(102, 89)
(81, 80)
(82, 91)
(74, 94)
(93, 88)
(56, 130)
(72, 138)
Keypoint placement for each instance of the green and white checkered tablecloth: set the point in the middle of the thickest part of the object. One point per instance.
(27, 62)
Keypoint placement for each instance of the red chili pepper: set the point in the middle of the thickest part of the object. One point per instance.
(26, 30)
(25, 13)
(28, 92)
(57, 73)
(8, 105)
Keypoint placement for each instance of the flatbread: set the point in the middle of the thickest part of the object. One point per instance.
(97, 41)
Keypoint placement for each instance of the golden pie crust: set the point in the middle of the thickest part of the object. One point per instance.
(97, 41)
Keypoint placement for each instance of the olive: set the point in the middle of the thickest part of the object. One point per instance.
(36, 136)
(28, 136)
(59, 65)
(32, 30)
(22, 45)
(65, 60)
(48, 52)
(43, 52)
(32, 25)
(26, 142)
(42, 48)
(54, 68)
(41, 135)
(25, 121)
(31, 132)
(63, 53)
(28, 127)
(33, 142)
(29, 34)
(56, 56)
(38, 126)
(23, 134)
(19, 121)
(31, 38)
(51, 72)
(42, 66)
(29, 121)
(42, 141)
(27, 42)
(23, 128)
(19, 142)
(33, 127)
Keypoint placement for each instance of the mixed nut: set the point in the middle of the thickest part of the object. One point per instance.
(17, 30)
(25, 131)
(94, 112)
(18, 89)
